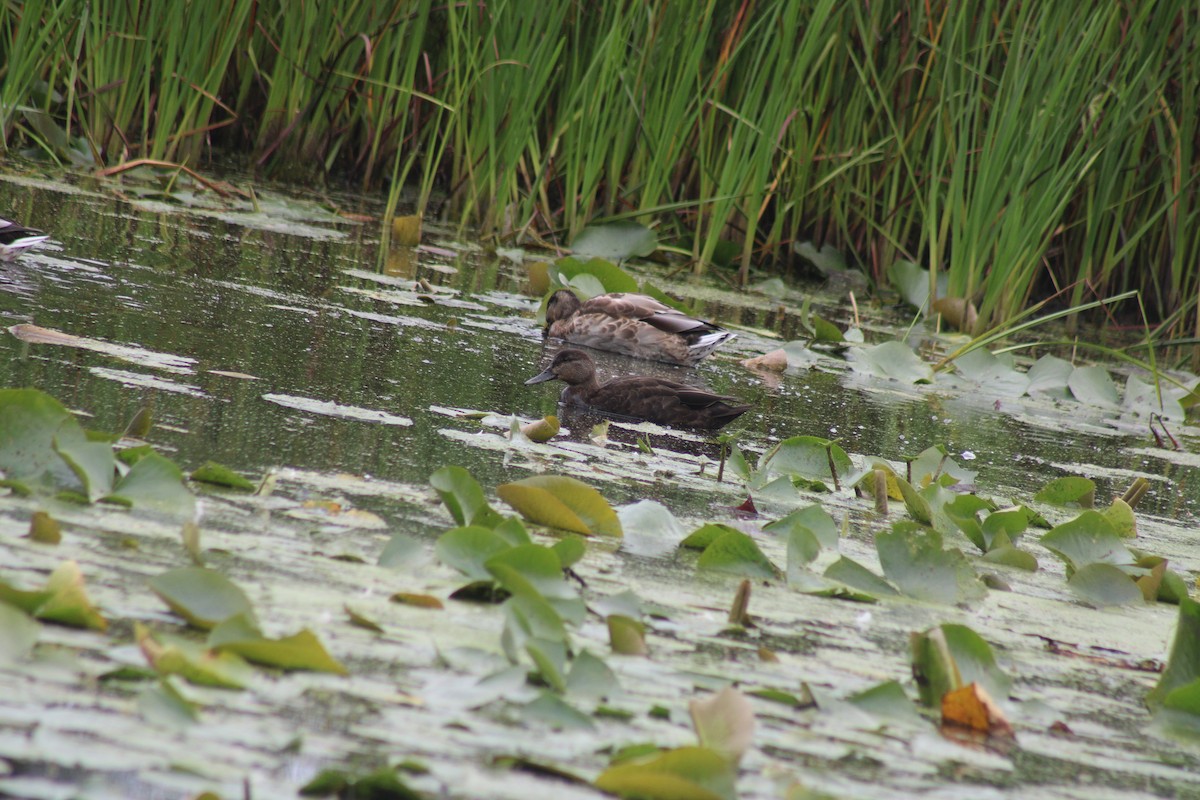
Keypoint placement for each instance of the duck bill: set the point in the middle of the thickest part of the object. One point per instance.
(540, 378)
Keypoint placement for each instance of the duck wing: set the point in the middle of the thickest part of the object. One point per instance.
(647, 309)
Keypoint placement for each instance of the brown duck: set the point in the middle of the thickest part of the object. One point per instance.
(633, 324)
(640, 396)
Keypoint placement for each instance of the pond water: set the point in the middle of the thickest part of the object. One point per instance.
(268, 312)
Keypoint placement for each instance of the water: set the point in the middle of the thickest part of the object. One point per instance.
(295, 299)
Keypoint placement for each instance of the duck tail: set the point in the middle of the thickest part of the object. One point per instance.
(703, 346)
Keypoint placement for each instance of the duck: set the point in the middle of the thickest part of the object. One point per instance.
(640, 397)
(635, 325)
(15, 239)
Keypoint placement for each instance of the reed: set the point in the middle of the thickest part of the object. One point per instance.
(1022, 149)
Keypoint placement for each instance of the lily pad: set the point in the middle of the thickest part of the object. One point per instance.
(855, 575)
(626, 635)
(156, 483)
(202, 596)
(1068, 490)
(18, 634)
(950, 656)
(706, 534)
(220, 475)
(912, 282)
(607, 276)
(737, 554)
(301, 651)
(812, 517)
(1088, 539)
(809, 457)
(695, 773)
(463, 497)
(1101, 585)
(63, 600)
(913, 559)
(892, 359)
(558, 501)
(31, 422)
(616, 240)
(724, 723)
(997, 376)
(1094, 386)
(1183, 662)
(172, 655)
(1050, 375)
(469, 548)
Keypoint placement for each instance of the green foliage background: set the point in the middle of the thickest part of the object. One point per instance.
(1024, 148)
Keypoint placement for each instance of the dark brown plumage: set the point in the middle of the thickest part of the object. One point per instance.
(640, 396)
(633, 324)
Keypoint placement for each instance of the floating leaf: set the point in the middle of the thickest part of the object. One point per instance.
(540, 568)
(1183, 662)
(802, 547)
(301, 651)
(913, 283)
(616, 240)
(381, 784)
(170, 655)
(972, 707)
(891, 359)
(1050, 374)
(913, 559)
(997, 375)
(724, 723)
(607, 276)
(31, 422)
(1101, 585)
(204, 597)
(652, 530)
(590, 678)
(1094, 386)
(558, 501)
(1010, 556)
(463, 497)
(542, 430)
(626, 636)
(814, 519)
(44, 528)
(401, 549)
(165, 704)
(468, 549)
(855, 575)
(805, 457)
(360, 620)
(951, 656)
(706, 534)
(18, 634)
(737, 554)
(156, 483)
(220, 475)
(1087, 539)
(886, 700)
(417, 600)
(557, 714)
(63, 600)
(687, 773)
(1122, 518)
(1068, 490)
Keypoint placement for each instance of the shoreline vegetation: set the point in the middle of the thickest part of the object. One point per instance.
(1017, 150)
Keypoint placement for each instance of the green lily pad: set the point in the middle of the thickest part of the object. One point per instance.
(463, 497)
(1010, 556)
(1088, 539)
(220, 475)
(1183, 662)
(813, 518)
(63, 600)
(590, 678)
(301, 651)
(934, 464)
(914, 560)
(382, 783)
(737, 554)
(1050, 374)
(163, 703)
(616, 240)
(855, 575)
(541, 568)
(1067, 491)
(31, 423)
(912, 282)
(951, 656)
(626, 635)
(997, 375)
(892, 359)
(202, 596)
(156, 483)
(886, 700)
(809, 457)
(803, 547)
(1101, 585)
(558, 501)
(18, 634)
(1094, 386)
(694, 773)
(1122, 518)
(552, 711)
(173, 655)
(606, 276)
(706, 534)
(469, 548)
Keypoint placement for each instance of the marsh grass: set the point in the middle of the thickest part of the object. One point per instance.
(1024, 149)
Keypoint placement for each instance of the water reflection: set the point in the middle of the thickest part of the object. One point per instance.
(304, 312)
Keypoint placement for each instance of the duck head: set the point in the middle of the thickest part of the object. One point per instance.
(572, 367)
(561, 305)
